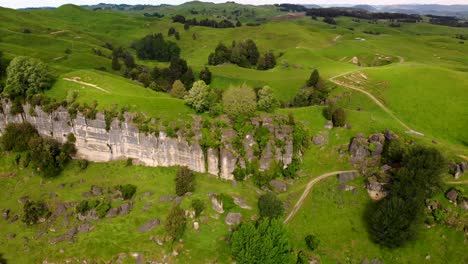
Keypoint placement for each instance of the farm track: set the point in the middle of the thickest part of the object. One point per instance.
(307, 190)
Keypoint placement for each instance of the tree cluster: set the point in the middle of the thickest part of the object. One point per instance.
(46, 155)
(26, 77)
(314, 92)
(33, 210)
(447, 21)
(204, 22)
(357, 13)
(244, 54)
(291, 8)
(394, 220)
(154, 47)
(270, 206)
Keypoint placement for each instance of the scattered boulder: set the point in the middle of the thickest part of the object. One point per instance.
(84, 228)
(151, 224)
(376, 190)
(11, 236)
(458, 169)
(319, 139)
(196, 225)
(240, 201)
(90, 215)
(329, 124)
(113, 212)
(69, 235)
(233, 218)
(464, 204)
(14, 219)
(6, 214)
(346, 177)
(178, 199)
(278, 185)
(168, 198)
(96, 190)
(60, 209)
(23, 199)
(217, 204)
(452, 195)
(125, 208)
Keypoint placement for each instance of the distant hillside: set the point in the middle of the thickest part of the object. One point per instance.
(365, 7)
(440, 10)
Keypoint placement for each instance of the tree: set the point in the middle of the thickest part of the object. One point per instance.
(313, 79)
(199, 97)
(270, 206)
(177, 68)
(171, 31)
(339, 117)
(116, 66)
(267, 61)
(184, 181)
(252, 51)
(188, 78)
(27, 77)
(266, 243)
(2, 66)
(329, 110)
(154, 47)
(239, 100)
(178, 90)
(48, 157)
(17, 137)
(312, 242)
(175, 222)
(144, 78)
(266, 101)
(205, 75)
(302, 98)
(129, 61)
(127, 190)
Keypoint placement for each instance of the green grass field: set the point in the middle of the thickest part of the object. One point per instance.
(424, 84)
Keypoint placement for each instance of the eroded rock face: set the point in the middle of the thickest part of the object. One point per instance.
(123, 140)
(366, 152)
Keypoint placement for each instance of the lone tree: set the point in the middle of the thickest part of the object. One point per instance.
(239, 101)
(178, 90)
(199, 97)
(175, 223)
(266, 242)
(313, 79)
(205, 75)
(339, 117)
(116, 66)
(266, 101)
(26, 77)
(185, 181)
(270, 206)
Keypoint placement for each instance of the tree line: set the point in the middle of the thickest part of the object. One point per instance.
(244, 54)
(357, 13)
(205, 22)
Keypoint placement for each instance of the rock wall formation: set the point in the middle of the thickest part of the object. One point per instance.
(123, 140)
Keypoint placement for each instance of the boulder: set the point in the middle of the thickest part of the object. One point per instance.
(346, 177)
(240, 201)
(329, 125)
(178, 199)
(113, 212)
(23, 199)
(196, 225)
(6, 214)
(385, 168)
(96, 190)
(318, 140)
(84, 228)
(125, 208)
(279, 186)
(168, 198)
(464, 204)
(11, 236)
(452, 195)
(458, 169)
(60, 209)
(216, 204)
(233, 218)
(151, 224)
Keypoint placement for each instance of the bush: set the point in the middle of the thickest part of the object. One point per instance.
(239, 173)
(185, 181)
(178, 90)
(270, 206)
(103, 208)
(48, 156)
(17, 137)
(205, 75)
(82, 207)
(199, 97)
(32, 211)
(198, 206)
(266, 101)
(83, 164)
(129, 162)
(228, 202)
(154, 47)
(312, 242)
(239, 101)
(339, 117)
(175, 222)
(266, 242)
(127, 190)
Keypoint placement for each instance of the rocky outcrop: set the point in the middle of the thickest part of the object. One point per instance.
(366, 152)
(122, 139)
(457, 169)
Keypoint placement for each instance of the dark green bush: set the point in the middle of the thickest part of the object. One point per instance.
(32, 211)
(270, 206)
(185, 181)
(198, 206)
(127, 190)
(103, 208)
(17, 137)
(312, 242)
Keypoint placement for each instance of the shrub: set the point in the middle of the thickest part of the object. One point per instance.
(239, 173)
(32, 211)
(175, 222)
(339, 117)
(129, 162)
(185, 181)
(48, 156)
(312, 241)
(82, 207)
(313, 79)
(198, 206)
(127, 190)
(228, 202)
(178, 90)
(270, 206)
(266, 101)
(83, 164)
(103, 208)
(205, 75)
(199, 97)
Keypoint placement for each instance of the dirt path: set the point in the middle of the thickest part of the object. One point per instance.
(380, 104)
(307, 190)
(77, 80)
(336, 38)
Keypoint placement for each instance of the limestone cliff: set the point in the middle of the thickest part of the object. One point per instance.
(124, 140)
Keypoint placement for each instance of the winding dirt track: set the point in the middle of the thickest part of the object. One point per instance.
(307, 190)
(77, 80)
(380, 104)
